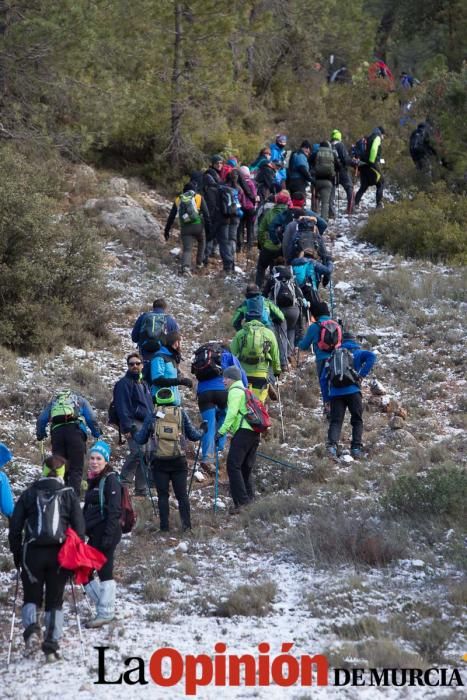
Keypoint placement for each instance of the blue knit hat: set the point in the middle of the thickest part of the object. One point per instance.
(5, 455)
(103, 448)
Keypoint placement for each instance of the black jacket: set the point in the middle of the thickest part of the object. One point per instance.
(132, 400)
(204, 213)
(109, 516)
(211, 182)
(26, 506)
(265, 180)
(343, 158)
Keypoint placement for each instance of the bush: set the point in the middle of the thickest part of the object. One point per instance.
(50, 280)
(251, 601)
(431, 226)
(442, 492)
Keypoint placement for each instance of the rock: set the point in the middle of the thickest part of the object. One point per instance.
(376, 388)
(401, 412)
(124, 213)
(118, 186)
(199, 476)
(401, 439)
(396, 423)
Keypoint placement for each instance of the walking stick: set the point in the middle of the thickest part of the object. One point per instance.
(194, 467)
(13, 618)
(331, 296)
(296, 375)
(143, 467)
(338, 197)
(42, 451)
(78, 621)
(216, 481)
(280, 411)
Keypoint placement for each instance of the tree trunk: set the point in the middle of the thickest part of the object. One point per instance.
(176, 107)
(383, 33)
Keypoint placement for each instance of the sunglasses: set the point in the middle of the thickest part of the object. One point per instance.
(134, 364)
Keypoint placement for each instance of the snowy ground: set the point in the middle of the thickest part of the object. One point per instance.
(196, 572)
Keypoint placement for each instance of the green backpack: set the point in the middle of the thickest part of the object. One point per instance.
(255, 345)
(65, 408)
(324, 164)
(169, 432)
(187, 210)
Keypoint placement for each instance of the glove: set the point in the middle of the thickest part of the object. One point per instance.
(166, 235)
(217, 438)
(204, 426)
(17, 558)
(186, 381)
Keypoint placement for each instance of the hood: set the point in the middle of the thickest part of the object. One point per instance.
(49, 483)
(351, 345)
(296, 262)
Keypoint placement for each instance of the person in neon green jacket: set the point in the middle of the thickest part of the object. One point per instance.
(244, 444)
(257, 374)
(370, 173)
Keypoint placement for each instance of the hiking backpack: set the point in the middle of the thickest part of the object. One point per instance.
(284, 294)
(128, 516)
(330, 335)
(236, 198)
(360, 149)
(64, 408)
(340, 369)
(305, 237)
(187, 209)
(168, 432)
(228, 201)
(255, 346)
(256, 310)
(256, 415)
(324, 163)
(153, 331)
(417, 144)
(207, 362)
(112, 415)
(45, 526)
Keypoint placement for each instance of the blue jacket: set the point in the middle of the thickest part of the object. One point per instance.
(6, 497)
(363, 362)
(189, 430)
(306, 270)
(299, 166)
(172, 324)
(311, 337)
(132, 400)
(217, 383)
(87, 417)
(164, 366)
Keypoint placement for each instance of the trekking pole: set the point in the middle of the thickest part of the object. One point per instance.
(262, 455)
(143, 467)
(216, 481)
(331, 296)
(194, 467)
(296, 375)
(86, 598)
(78, 621)
(280, 411)
(338, 196)
(13, 618)
(42, 451)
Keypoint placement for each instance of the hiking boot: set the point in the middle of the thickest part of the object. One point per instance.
(332, 451)
(141, 494)
(98, 622)
(209, 469)
(32, 643)
(356, 452)
(186, 272)
(234, 510)
(272, 392)
(380, 205)
(52, 656)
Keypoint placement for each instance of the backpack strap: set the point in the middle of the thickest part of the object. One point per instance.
(101, 494)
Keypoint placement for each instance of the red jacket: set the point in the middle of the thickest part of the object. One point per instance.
(79, 557)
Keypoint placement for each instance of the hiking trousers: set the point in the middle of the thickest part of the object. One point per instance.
(227, 239)
(165, 472)
(323, 189)
(369, 177)
(240, 462)
(213, 408)
(69, 441)
(346, 183)
(247, 223)
(96, 536)
(292, 319)
(190, 234)
(338, 406)
(266, 259)
(41, 570)
(135, 463)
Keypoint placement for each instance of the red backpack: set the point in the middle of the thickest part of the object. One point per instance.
(128, 516)
(330, 335)
(257, 415)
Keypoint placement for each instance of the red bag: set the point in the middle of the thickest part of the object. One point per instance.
(79, 557)
(330, 335)
(257, 415)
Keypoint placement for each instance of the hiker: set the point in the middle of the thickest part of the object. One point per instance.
(172, 426)
(319, 311)
(256, 308)
(370, 172)
(309, 273)
(164, 368)
(299, 175)
(40, 518)
(230, 164)
(263, 156)
(303, 233)
(340, 381)
(211, 183)
(421, 148)
(278, 149)
(6, 496)
(194, 220)
(69, 415)
(297, 208)
(325, 165)
(209, 362)
(283, 290)
(270, 247)
(230, 206)
(150, 329)
(265, 178)
(343, 160)
(251, 199)
(132, 400)
(102, 511)
(244, 444)
(256, 347)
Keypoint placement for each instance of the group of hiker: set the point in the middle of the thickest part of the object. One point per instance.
(281, 315)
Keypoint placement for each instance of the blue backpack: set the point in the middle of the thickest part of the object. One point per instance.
(257, 311)
(236, 199)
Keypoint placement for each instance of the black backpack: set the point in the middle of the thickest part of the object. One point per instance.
(207, 362)
(340, 368)
(153, 331)
(417, 143)
(45, 525)
(283, 292)
(305, 237)
(228, 201)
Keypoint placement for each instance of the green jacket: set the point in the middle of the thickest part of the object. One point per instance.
(375, 151)
(262, 368)
(236, 409)
(263, 234)
(275, 314)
